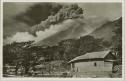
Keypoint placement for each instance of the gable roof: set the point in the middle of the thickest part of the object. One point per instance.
(91, 55)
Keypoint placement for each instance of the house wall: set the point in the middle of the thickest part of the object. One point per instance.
(92, 66)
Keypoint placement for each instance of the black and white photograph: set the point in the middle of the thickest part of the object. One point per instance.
(62, 40)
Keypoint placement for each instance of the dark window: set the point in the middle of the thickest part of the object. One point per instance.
(95, 64)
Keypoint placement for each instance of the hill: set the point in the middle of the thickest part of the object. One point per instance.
(106, 30)
(74, 30)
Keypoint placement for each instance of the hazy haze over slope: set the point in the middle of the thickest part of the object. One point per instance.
(106, 30)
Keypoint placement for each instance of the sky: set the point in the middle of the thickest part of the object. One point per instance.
(110, 11)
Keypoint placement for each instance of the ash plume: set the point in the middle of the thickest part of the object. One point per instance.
(66, 12)
(53, 24)
(67, 23)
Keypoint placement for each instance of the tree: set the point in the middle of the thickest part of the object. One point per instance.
(117, 38)
(89, 44)
(68, 49)
(15, 52)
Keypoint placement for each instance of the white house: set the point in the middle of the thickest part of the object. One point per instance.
(93, 62)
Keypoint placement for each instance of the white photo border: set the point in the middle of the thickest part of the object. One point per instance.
(62, 79)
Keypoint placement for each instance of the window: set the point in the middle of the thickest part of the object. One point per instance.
(95, 64)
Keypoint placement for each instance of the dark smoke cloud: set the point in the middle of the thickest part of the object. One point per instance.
(38, 12)
(66, 12)
(51, 16)
(20, 17)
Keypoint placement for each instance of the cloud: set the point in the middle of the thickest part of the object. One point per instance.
(67, 12)
(18, 17)
(25, 36)
(38, 12)
(10, 25)
(19, 37)
(41, 35)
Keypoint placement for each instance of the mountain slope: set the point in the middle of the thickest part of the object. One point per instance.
(75, 29)
(106, 30)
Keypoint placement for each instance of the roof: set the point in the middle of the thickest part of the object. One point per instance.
(91, 55)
